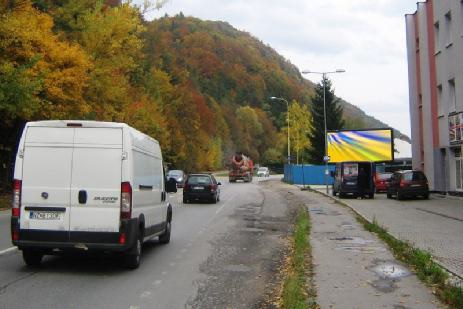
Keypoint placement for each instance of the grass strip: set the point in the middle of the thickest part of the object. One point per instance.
(422, 263)
(298, 292)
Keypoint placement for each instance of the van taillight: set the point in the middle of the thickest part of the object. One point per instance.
(16, 206)
(126, 200)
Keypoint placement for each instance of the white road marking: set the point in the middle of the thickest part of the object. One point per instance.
(225, 204)
(145, 294)
(157, 282)
(11, 249)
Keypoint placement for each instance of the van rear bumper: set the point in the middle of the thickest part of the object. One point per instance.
(76, 240)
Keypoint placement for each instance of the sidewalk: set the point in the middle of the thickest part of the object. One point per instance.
(355, 269)
(434, 225)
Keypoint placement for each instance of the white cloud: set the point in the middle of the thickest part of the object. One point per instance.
(365, 37)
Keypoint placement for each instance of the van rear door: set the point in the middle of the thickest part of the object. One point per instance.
(46, 181)
(95, 182)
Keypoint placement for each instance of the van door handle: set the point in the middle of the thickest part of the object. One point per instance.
(82, 197)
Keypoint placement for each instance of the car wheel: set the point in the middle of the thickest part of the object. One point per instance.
(133, 257)
(398, 196)
(218, 198)
(165, 237)
(214, 199)
(32, 258)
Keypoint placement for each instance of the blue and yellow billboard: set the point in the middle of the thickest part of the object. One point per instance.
(375, 145)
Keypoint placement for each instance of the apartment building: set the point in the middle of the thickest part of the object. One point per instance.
(435, 72)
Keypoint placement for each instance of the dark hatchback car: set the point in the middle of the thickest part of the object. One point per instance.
(201, 187)
(408, 184)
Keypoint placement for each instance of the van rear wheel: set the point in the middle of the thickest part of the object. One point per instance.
(164, 238)
(132, 259)
(32, 258)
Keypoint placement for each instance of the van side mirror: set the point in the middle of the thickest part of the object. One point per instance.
(332, 173)
(171, 186)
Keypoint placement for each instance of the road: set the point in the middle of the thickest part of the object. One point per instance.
(220, 255)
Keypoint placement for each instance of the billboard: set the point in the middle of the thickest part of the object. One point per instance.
(376, 145)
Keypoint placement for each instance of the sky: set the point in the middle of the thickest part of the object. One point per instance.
(364, 37)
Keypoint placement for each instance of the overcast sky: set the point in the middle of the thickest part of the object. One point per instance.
(364, 37)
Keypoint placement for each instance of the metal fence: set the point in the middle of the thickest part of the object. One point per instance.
(303, 174)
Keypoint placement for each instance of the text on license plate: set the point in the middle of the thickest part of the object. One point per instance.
(45, 215)
(198, 188)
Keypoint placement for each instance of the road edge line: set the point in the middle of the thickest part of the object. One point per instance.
(9, 250)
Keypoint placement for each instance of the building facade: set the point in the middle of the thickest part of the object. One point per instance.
(435, 72)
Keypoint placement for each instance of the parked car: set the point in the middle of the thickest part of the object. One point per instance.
(408, 184)
(201, 187)
(354, 178)
(263, 172)
(178, 175)
(382, 181)
(88, 186)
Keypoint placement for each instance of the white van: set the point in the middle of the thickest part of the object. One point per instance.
(88, 186)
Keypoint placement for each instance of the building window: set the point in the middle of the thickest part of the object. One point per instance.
(459, 169)
(436, 37)
(448, 30)
(440, 108)
(452, 96)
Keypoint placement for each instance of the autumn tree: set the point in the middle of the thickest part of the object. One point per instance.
(300, 128)
(334, 119)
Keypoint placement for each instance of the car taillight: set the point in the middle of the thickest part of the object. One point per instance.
(16, 206)
(126, 200)
(213, 187)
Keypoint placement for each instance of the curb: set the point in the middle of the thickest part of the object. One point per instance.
(337, 200)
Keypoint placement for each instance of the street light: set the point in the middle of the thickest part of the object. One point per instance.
(324, 114)
(287, 107)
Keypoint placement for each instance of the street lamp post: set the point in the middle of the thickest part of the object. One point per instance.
(323, 74)
(287, 107)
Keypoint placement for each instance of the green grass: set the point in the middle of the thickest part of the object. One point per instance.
(296, 292)
(421, 261)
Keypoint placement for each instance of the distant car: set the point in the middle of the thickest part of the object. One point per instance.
(201, 187)
(178, 175)
(408, 183)
(382, 181)
(263, 172)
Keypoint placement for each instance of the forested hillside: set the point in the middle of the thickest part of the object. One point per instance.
(201, 88)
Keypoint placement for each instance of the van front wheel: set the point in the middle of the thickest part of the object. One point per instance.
(32, 258)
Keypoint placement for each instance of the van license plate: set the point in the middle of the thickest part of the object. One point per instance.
(42, 215)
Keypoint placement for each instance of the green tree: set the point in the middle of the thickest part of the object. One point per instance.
(334, 119)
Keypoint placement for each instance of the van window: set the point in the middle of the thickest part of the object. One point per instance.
(351, 169)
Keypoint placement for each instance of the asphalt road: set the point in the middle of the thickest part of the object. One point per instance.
(220, 255)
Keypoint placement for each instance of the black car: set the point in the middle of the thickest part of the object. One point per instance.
(408, 183)
(201, 187)
(178, 175)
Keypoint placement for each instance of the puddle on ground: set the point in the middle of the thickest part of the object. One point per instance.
(353, 240)
(318, 211)
(390, 270)
(252, 229)
(384, 285)
(361, 249)
(237, 268)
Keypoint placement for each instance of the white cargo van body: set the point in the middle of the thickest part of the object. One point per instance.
(73, 178)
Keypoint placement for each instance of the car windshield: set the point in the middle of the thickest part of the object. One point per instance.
(199, 180)
(175, 173)
(414, 176)
(384, 176)
(263, 169)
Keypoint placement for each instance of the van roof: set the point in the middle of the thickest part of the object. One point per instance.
(84, 123)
